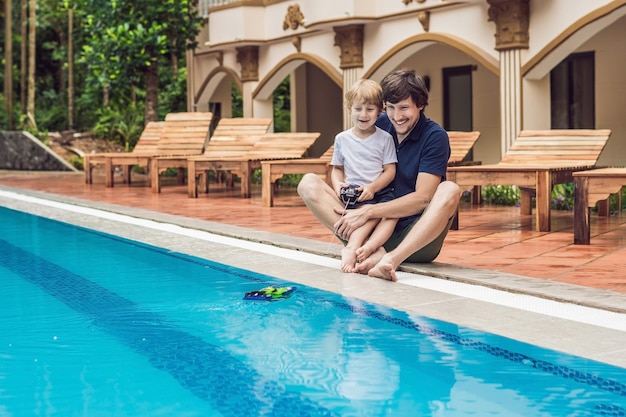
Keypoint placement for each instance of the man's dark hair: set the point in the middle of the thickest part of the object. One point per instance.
(402, 84)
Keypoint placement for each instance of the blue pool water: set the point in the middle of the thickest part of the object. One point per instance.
(95, 325)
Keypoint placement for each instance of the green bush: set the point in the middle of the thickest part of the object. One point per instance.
(121, 124)
(76, 162)
(562, 196)
(502, 195)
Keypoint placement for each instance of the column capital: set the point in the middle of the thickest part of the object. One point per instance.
(511, 18)
(349, 39)
(248, 59)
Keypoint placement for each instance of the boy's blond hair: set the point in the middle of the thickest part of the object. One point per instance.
(365, 92)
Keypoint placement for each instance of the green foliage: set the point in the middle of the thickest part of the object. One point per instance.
(120, 124)
(173, 96)
(501, 195)
(4, 118)
(563, 196)
(290, 180)
(76, 162)
(237, 101)
(124, 37)
(29, 125)
(282, 107)
(49, 113)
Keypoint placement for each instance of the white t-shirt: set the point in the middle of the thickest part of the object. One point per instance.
(363, 159)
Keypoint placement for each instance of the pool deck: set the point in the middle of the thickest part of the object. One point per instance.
(494, 255)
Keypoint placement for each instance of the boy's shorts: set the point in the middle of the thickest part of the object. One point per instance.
(380, 197)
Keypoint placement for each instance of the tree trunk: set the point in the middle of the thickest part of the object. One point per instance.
(152, 92)
(70, 68)
(174, 60)
(32, 45)
(23, 57)
(8, 62)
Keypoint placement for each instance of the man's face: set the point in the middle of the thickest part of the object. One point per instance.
(404, 115)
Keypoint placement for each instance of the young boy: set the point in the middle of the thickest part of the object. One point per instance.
(365, 156)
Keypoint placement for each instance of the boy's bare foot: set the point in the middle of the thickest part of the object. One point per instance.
(365, 251)
(384, 269)
(370, 262)
(348, 259)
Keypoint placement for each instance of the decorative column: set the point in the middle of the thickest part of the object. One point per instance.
(349, 39)
(248, 59)
(511, 18)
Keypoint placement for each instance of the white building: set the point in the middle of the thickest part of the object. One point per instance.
(496, 66)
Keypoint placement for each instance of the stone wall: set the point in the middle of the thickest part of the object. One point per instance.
(22, 151)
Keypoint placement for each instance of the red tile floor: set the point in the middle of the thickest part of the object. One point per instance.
(493, 238)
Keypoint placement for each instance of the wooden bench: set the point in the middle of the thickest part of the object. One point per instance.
(592, 187)
(140, 155)
(460, 145)
(536, 161)
(271, 146)
(227, 130)
(273, 170)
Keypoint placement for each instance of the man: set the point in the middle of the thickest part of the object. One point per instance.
(424, 202)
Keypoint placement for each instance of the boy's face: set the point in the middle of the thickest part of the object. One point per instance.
(403, 115)
(364, 115)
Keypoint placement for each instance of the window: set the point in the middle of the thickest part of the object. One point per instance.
(457, 98)
(572, 93)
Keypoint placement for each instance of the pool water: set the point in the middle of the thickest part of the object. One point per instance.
(96, 325)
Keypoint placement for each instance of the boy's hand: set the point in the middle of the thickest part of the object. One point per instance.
(366, 192)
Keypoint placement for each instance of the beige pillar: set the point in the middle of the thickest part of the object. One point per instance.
(511, 18)
(510, 96)
(349, 39)
(248, 59)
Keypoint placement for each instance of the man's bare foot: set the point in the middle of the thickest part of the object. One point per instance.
(348, 259)
(367, 264)
(384, 269)
(365, 251)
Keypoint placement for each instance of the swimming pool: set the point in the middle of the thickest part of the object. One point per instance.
(94, 324)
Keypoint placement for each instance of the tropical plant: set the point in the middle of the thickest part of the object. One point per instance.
(126, 39)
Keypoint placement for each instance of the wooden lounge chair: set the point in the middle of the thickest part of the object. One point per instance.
(591, 187)
(536, 161)
(271, 146)
(460, 145)
(227, 131)
(146, 146)
(182, 133)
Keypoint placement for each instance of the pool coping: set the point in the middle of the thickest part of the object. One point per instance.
(598, 343)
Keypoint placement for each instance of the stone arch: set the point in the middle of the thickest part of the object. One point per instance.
(414, 44)
(571, 38)
(271, 80)
(316, 103)
(214, 78)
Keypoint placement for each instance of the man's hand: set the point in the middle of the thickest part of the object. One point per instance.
(350, 221)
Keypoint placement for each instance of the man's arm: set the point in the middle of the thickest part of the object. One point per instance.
(407, 205)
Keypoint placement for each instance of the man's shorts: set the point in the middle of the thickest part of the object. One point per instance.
(426, 254)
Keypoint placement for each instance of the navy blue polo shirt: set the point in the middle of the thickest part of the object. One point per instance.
(425, 149)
